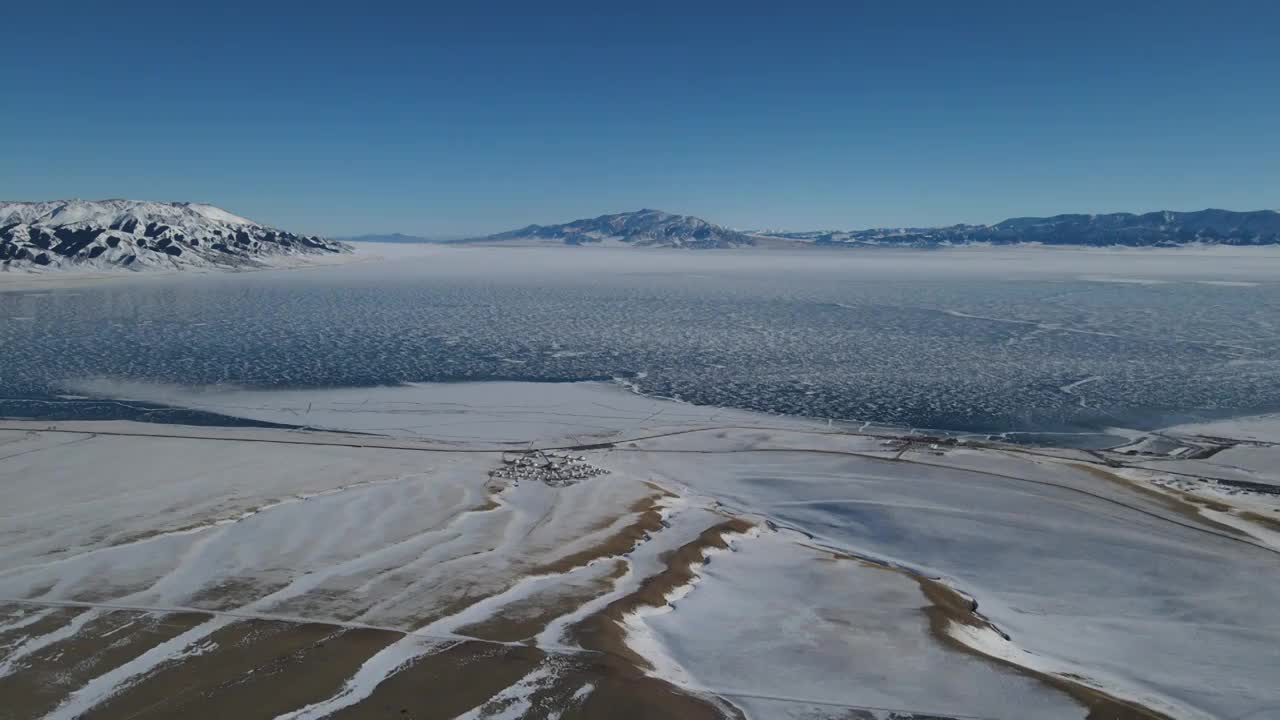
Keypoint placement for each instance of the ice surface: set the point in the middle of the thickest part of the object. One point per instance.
(984, 341)
(465, 413)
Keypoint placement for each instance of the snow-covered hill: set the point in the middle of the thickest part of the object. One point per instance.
(1165, 229)
(643, 227)
(137, 234)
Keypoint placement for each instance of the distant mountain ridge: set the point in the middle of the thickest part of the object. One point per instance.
(1154, 229)
(650, 228)
(139, 234)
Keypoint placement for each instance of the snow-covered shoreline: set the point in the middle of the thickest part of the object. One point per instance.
(1046, 547)
(30, 278)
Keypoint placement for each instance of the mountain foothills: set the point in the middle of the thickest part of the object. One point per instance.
(1155, 229)
(652, 228)
(136, 235)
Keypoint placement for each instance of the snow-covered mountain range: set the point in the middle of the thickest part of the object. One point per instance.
(652, 228)
(1162, 229)
(138, 234)
(1155, 229)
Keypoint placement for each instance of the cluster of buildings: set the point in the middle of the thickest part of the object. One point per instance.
(552, 467)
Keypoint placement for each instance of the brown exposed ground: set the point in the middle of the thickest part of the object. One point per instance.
(620, 543)
(603, 631)
(447, 683)
(258, 667)
(648, 520)
(621, 692)
(10, 639)
(44, 678)
(232, 593)
(465, 675)
(524, 619)
(1271, 523)
(947, 606)
(475, 672)
(1179, 502)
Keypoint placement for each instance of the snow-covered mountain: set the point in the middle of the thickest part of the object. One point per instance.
(1163, 229)
(652, 228)
(138, 234)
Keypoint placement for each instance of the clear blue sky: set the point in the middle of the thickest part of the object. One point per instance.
(446, 118)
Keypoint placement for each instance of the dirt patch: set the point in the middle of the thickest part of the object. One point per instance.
(603, 631)
(10, 639)
(1206, 502)
(232, 593)
(447, 683)
(620, 688)
(51, 674)
(622, 692)
(1172, 500)
(254, 668)
(463, 676)
(947, 606)
(649, 520)
(524, 619)
(1271, 523)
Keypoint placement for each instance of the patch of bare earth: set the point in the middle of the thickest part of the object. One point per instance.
(232, 593)
(526, 618)
(49, 675)
(447, 683)
(255, 668)
(10, 639)
(948, 606)
(648, 520)
(1270, 523)
(622, 689)
(1183, 504)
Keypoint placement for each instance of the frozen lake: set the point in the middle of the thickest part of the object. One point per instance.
(1028, 340)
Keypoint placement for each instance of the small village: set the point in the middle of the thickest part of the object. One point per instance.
(552, 467)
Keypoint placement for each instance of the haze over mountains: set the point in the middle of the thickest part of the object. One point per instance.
(138, 234)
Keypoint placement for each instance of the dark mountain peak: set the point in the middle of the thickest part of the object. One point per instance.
(644, 227)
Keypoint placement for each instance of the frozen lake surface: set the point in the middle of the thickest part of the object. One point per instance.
(972, 340)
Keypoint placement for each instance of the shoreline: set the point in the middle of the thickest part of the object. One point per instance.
(72, 277)
(368, 252)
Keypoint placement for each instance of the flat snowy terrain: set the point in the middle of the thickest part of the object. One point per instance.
(420, 557)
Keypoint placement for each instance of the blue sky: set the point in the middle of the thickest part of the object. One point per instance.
(430, 119)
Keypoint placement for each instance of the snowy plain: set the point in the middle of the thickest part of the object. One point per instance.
(399, 530)
(381, 524)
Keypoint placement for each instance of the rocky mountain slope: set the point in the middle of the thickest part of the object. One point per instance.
(137, 235)
(1162, 229)
(652, 228)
